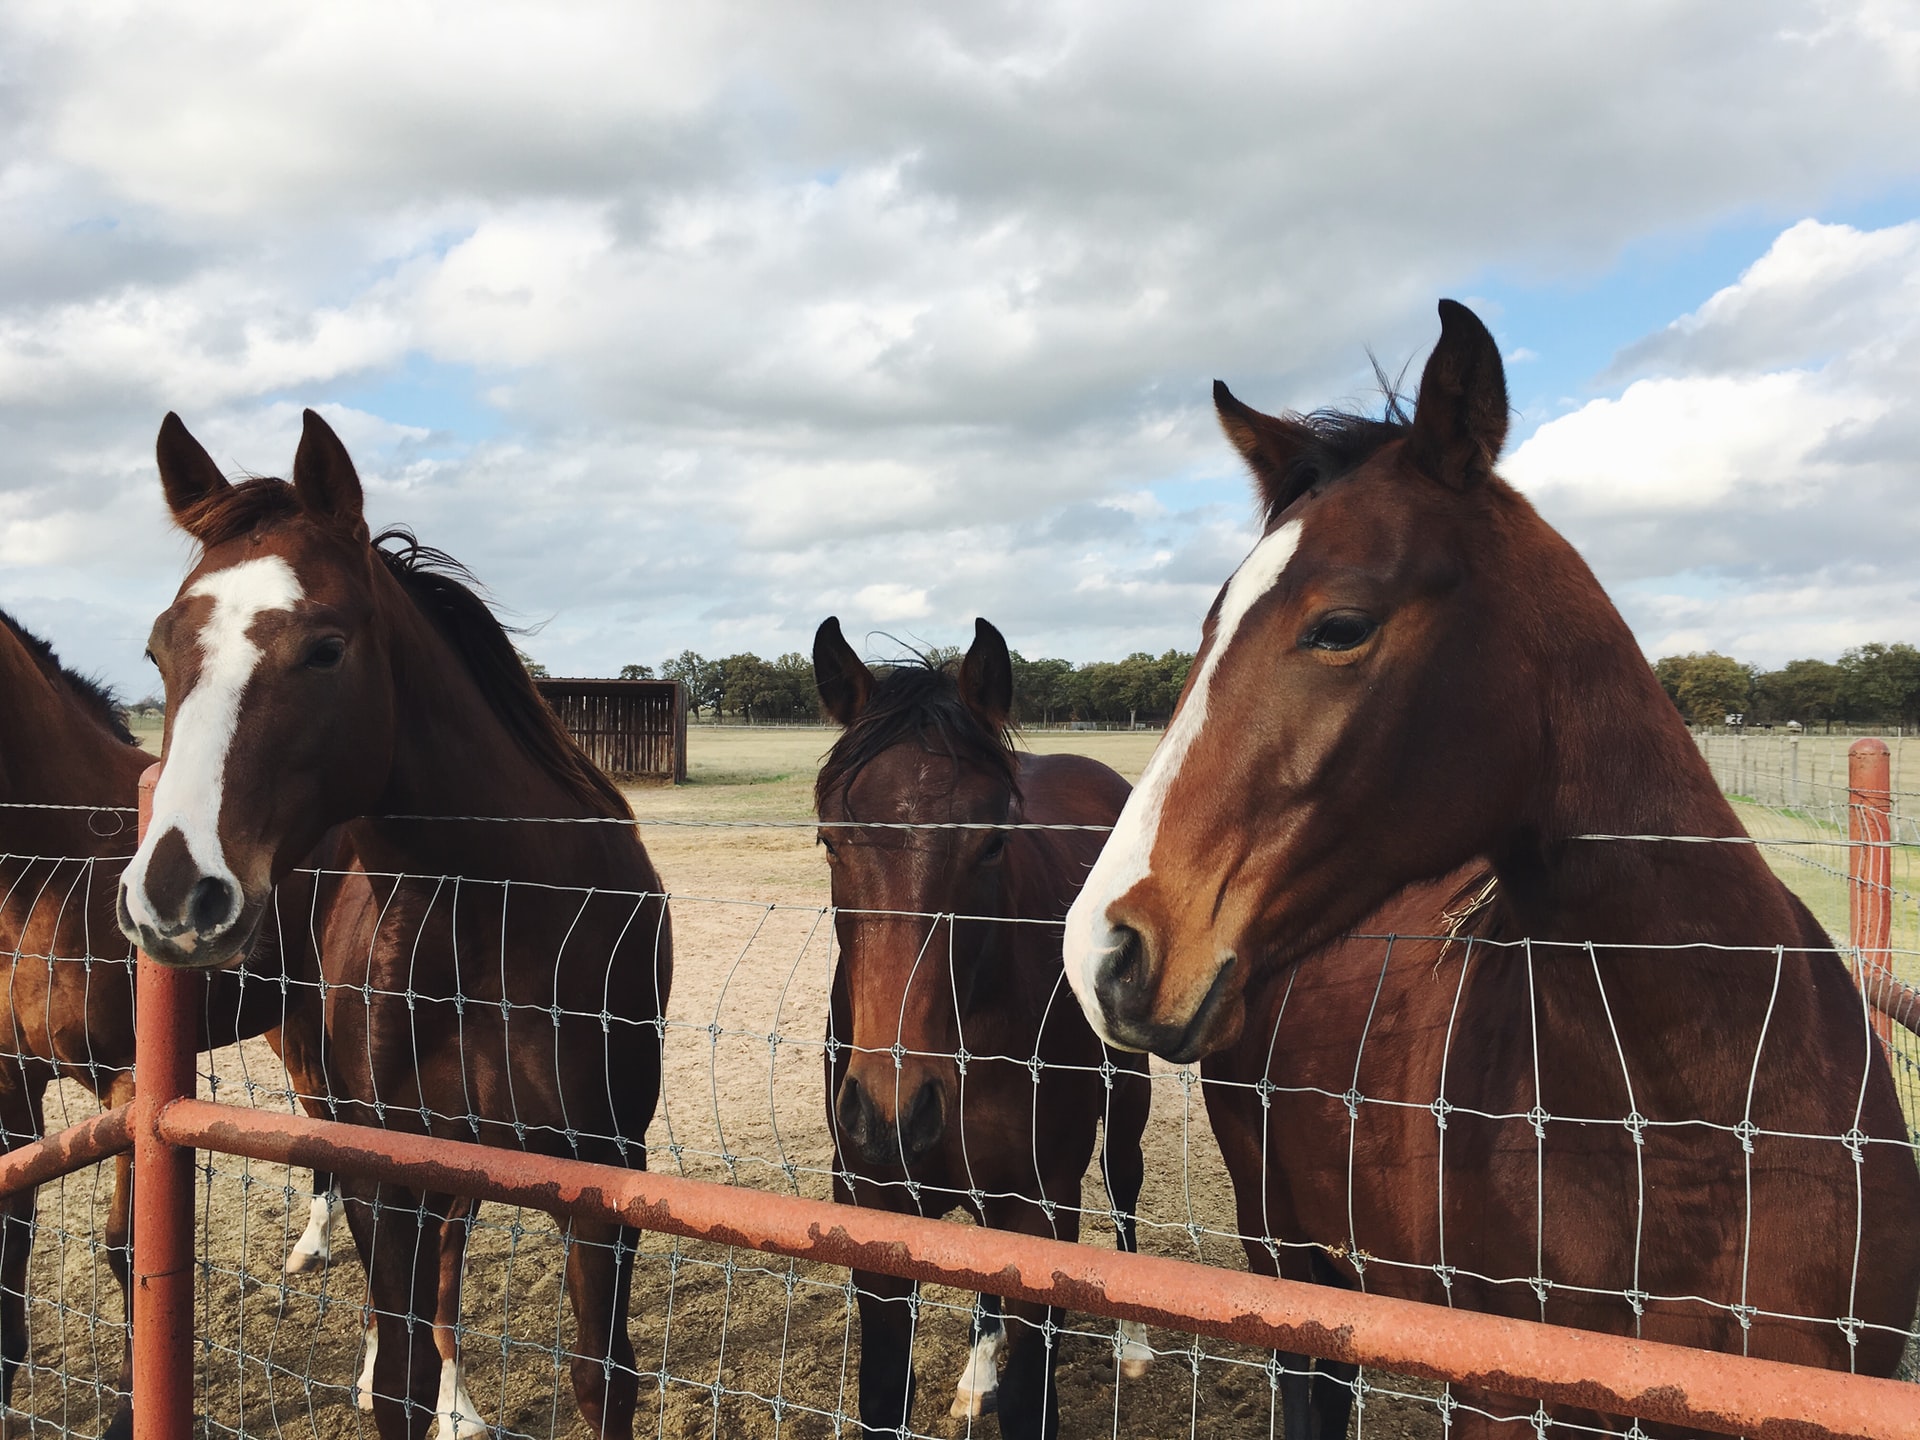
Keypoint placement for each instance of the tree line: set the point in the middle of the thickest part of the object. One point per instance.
(1140, 689)
(1877, 684)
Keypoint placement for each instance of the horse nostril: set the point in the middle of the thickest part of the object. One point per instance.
(925, 1121)
(852, 1112)
(210, 904)
(1122, 964)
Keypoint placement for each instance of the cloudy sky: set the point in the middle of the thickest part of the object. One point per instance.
(687, 326)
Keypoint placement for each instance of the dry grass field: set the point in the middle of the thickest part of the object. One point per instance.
(720, 1333)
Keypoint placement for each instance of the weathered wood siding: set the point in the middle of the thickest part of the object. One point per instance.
(630, 728)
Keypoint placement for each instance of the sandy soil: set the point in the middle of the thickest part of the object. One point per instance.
(729, 1343)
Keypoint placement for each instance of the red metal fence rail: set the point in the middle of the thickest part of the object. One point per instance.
(1708, 1390)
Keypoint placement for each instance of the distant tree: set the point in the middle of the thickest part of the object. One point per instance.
(1040, 689)
(534, 667)
(1803, 690)
(1715, 686)
(1706, 688)
(1881, 682)
(700, 677)
(636, 672)
(151, 705)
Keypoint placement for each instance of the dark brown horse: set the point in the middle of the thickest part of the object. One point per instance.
(318, 678)
(66, 997)
(1644, 1099)
(948, 984)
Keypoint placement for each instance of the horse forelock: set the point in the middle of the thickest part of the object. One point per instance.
(919, 703)
(1336, 443)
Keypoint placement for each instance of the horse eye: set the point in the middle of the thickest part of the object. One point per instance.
(1342, 630)
(150, 660)
(995, 847)
(326, 654)
(826, 844)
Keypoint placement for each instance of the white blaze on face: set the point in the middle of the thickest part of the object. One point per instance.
(1126, 859)
(192, 784)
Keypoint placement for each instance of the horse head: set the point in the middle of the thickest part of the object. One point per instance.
(1357, 716)
(279, 713)
(920, 746)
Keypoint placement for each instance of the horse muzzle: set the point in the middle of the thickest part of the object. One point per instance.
(901, 1139)
(1128, 983)
(212, 923)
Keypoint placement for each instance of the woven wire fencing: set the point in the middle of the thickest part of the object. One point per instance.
(734, 1342)
(61, 1307)
(1792, 795)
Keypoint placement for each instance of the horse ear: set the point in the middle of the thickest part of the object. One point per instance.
(324, 477)
(1268, 445)
(842, 677)
(187, 472)
(1460, 418)
(986, 675)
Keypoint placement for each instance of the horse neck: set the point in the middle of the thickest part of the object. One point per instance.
(452, 756)
(1616, 759)
(54, 751)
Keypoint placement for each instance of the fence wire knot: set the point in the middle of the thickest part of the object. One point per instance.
(1351, 1099)
(1538, 1118)
(1747, 1131)
(1540, 1285)
(1636, 1124)
(1636, 1301)
(1856, 1142)
(1744, 1314)
(1441, 1108)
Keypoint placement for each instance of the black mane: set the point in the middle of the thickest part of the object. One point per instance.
(96, 698)
(1338, 442)
(917, 701)
(442, 587)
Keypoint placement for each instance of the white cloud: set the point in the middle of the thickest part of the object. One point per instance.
(1756, 491)
(748, 311)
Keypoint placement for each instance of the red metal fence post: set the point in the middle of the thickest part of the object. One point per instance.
(165, 1018)
(1870, 874)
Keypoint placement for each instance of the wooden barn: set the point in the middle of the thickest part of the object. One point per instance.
(633, 729)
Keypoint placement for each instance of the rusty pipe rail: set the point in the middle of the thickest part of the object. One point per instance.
(1611, 1373)
(74, 1148)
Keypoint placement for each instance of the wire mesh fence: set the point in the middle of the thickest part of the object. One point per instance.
(729, 1341)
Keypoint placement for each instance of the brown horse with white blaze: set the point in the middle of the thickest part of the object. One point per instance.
(1636, 1092)
(949, 988)
(318, 677)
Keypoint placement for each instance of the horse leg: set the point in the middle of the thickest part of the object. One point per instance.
(1123, 1165)
(455, 1411)
(977, 1392)
(1330, 1399)
(314, 1249)
(399, 1242)
(120, 1259)
(606, 1376)
(20, 1122)
(887, 1380)
(1029, 1399)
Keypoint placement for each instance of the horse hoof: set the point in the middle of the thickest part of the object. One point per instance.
(972, 1404)
(1135, 1367)
(1135, 1353)
(363, 1400)
(299, 1262)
